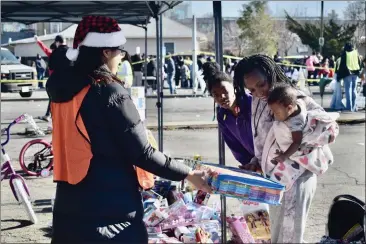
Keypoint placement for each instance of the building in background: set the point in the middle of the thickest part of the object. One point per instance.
(180, 12)
(176, 38)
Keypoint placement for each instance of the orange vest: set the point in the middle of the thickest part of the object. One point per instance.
(71, 144)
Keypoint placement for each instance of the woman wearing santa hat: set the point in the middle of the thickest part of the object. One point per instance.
(98, 139)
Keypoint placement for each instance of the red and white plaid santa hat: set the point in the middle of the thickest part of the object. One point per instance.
(96, 31)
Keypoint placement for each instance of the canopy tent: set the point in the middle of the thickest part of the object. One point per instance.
(125, 12)
(136, 13)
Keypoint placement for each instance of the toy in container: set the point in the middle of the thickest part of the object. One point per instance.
(240, 230)
(259, 226)
(202, 236)
(170, 240)
(242, 184)
(180, 231)
(154, 217)
(201, 197)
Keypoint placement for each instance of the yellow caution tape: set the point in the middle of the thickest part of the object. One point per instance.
(285, 63)
(21, 81)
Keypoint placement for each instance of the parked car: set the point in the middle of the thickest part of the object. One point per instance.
(16, 77)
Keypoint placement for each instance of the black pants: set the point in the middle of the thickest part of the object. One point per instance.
(48, 112)
(75, 229)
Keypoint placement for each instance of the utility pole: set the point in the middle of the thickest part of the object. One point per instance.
(321, 38)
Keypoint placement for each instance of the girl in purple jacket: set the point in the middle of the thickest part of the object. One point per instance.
(234, 112)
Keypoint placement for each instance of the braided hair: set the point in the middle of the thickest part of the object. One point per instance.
(265, 65)
(209, 70)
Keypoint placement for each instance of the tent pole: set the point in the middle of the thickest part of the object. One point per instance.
(158, 69)
(219, 52)
(145, 68)
(162, 61)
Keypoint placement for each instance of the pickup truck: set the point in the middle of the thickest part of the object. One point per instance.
(16, 77)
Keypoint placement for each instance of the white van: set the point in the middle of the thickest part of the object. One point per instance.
(16, 77)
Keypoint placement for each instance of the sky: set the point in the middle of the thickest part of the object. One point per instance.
(303, 8)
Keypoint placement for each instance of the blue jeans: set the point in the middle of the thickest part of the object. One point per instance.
(171, 82)
(336, 102)
(350, 90)
(40, 74)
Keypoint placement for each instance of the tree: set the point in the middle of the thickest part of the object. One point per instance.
(355, 12)
(232, 38)
(286, 38)
(257, 28)
(335, 35)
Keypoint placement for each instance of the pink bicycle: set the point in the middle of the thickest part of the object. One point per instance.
(38, 162)
(17, 183)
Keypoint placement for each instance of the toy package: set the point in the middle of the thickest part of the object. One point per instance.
(240, 230)
(257, 218)
(242, 184)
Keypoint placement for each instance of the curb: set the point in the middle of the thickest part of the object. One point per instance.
(208, 125)
(38, 99)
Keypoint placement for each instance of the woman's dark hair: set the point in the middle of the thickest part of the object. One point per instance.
(90, 63)
(265, 65)
(209, 70)
(127, 57)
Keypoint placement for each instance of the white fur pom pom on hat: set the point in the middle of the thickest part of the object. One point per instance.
(72, 54)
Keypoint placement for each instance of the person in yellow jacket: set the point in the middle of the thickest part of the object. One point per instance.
(349, 70)
(125, 72)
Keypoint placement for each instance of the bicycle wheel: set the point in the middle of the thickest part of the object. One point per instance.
(24, 200)
(34, 162)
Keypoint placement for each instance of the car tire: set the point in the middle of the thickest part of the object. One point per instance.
(26, 94)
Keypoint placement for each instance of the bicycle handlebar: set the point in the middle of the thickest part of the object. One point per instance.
(28, 119)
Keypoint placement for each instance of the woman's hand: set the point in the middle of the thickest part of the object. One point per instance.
(250, 167)
(197, 178)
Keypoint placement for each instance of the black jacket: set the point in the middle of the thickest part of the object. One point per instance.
(58, 59)
(151, 68)
(118, 142)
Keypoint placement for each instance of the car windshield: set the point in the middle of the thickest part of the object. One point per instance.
(8, 58)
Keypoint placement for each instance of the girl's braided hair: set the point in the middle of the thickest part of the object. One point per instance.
(212, 75)
(265, 65)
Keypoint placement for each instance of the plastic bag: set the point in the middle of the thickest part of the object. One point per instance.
(332, 84)
(146, 179)
(360, 100)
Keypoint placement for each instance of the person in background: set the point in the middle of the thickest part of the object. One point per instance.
(48, 52)
(260, 74)
(310, 65)
(198, 80)
(98, 139)
(234, 113)
(363, 77)
(349, 70)
(137, 69)
(184, 71)
(177, 77)
(125, 70)
(40, 67)
(170, 71)
(233, 68)
(58, 59)
(324, 72)
(336, 101)
(151, 67)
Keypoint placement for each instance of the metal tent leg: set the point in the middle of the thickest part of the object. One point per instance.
(158, 83)
(219, 59)
(161, 93)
